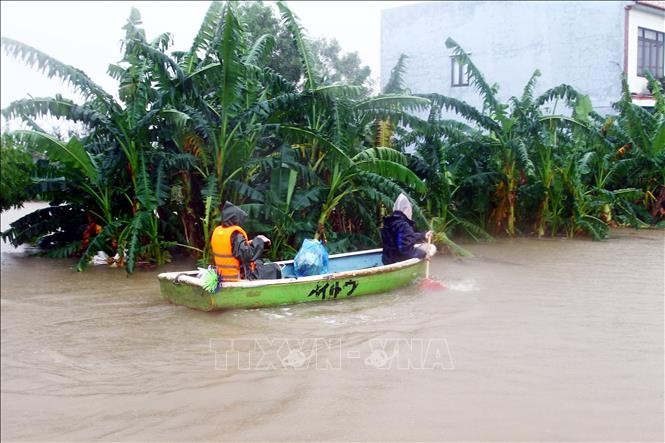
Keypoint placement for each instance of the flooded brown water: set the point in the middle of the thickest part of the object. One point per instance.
(534, 340)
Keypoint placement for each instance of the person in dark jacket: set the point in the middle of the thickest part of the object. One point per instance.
(400, 240)
(236, 257)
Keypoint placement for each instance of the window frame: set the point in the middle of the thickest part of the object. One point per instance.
(456, 81)
(650, 48)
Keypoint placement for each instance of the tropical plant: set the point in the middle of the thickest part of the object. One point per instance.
(643, 148)
(511, 147)
(16, 169)
(308, 155)
(120, 138)
(332, 129)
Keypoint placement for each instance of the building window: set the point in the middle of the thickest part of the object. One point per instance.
(459, 75)
(650, 52)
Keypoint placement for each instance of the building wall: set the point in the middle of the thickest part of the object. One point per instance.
(578, 43)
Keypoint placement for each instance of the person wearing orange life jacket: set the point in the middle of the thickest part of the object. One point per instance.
(235, 256)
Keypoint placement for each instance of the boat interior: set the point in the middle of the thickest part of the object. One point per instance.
(342, 262)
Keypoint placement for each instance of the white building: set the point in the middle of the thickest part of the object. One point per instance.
(586, 44)
(643, 48)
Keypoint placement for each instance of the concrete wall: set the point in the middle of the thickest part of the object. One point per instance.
(580, 43)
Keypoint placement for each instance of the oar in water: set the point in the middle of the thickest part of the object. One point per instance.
(428, 283)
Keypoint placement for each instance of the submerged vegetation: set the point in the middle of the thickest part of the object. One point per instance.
(306, 157)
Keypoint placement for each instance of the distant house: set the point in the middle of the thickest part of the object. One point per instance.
(586, 44)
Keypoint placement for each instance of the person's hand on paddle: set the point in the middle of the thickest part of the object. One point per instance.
(428, 283)
(428, 237)
(265, 239)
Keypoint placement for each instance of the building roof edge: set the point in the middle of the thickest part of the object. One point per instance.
(658, 4)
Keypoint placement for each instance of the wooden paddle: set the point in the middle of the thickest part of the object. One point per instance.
(428, 283)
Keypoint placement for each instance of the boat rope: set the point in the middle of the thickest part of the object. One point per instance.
(176, 280)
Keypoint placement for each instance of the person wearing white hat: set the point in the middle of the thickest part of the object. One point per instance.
(400, 240)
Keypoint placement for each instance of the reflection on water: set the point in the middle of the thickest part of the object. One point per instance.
(532, 340)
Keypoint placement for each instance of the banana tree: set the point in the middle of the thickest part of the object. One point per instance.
(219, 109)
(277, 205)
(509, 149)
(118, 136)
(88, 192)
(514, 137)
(642, 136)
(438, 159)
(357, 174)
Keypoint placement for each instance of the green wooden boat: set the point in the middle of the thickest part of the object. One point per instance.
(351, 275)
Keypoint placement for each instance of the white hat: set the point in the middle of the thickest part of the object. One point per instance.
(403, 205)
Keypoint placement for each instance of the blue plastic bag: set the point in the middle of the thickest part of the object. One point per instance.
(311, 259)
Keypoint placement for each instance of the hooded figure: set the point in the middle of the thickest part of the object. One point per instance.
(400, 241)
(232, 215)
(234, 254)
(403, 205)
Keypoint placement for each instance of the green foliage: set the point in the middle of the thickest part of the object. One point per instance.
(259, 19)
(38, 226)
(16, 169)
(395, 84)
(256, 113)
(336, 67)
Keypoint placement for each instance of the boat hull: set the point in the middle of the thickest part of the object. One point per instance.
(184, 288)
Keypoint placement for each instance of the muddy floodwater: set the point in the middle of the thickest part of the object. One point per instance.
(533, 340)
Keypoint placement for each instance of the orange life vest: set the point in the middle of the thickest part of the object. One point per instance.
(228, 267)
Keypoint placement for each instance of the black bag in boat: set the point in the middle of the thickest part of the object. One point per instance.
(267, 271)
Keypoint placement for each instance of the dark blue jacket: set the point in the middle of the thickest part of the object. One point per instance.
(399, 237)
